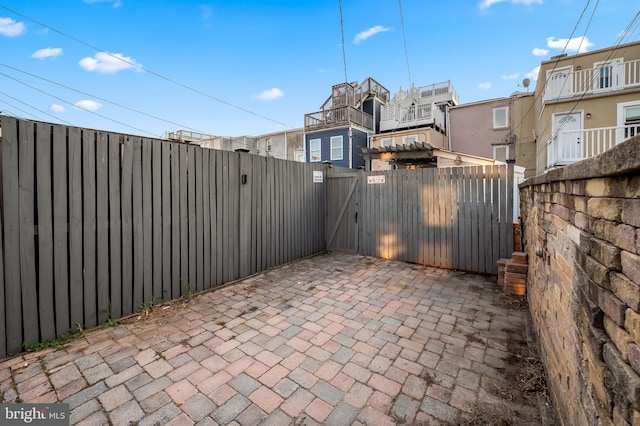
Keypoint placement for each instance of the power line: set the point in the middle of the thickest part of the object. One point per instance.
(404, 40)
(141, 68)
(344, 56)
(77, 106)
(102, 99)
(39, 110)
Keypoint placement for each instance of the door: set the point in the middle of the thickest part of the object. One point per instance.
(567, 130)
(343, 195)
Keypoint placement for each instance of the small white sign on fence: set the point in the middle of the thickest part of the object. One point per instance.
(375, 179)
(317, 176)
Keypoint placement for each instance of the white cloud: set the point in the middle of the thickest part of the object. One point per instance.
(511, 76)
(484, 86)
(540, 52)
(576, 44)
(48, 52)
(116, 3)
(108, 63)
(88, 105)
(271, 94)
(11, 28)
(56, 108)
(485, 4)
(533, 74)
(369, 33)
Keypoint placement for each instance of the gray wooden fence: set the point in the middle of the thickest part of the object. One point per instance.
(95, 224)
(458, 218)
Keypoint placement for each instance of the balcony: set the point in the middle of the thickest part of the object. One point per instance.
(571, 146)
(337, 117)
(612, 76)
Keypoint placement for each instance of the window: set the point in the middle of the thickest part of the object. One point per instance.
(501, 153)
(268, 144)
(631, 121)
(336, 148)
(298, 155)
(608, 74)
(386, 142)
(314, 150)
(406, 140)
(501, 117)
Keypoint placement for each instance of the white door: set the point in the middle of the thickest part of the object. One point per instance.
(567, 131)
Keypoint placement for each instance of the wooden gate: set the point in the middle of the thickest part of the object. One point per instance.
(343, 195)
(460, 217)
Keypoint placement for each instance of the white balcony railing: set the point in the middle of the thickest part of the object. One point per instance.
(615, 76)
(574, 145)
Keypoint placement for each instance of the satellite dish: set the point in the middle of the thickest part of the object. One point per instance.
(526, 82)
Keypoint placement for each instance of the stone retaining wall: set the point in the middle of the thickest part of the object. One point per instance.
(581, 230)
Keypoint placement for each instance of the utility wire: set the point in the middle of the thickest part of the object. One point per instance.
(39, 110)
(344, 55)
(404, 40)
(77, 106)
(102, 99)
(141, 68)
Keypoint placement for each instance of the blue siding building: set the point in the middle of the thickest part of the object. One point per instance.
(343, 125)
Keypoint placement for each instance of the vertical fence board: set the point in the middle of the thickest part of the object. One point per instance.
(199, 209)
(115, 226)
(167, 197)
(183, 211)
(215, 237)
(147, 223)
(206, 221)
(234, 214)
(503, 212)
(268, 249)
(458, 242)
(45, 233)
(508, 223)
(88, 186)
(127, 227)
(102, 226)
(222, 191)
(191, 218)
(156, 206)
(60, 230)
(495, 214)
(10, 185)
(473, 182)
(490, 200)
(138, 225)
(244, 211)
(75, 227)
(26, 199)
(447, 205)
(176, 224)
(481, 219)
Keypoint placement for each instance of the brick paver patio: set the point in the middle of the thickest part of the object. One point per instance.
(335, 339)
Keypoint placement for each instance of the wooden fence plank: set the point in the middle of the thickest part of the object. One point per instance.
(456, 217)
(256, 211)
(221, 229)
(233, 215)
(156, 222)
(147, 223)
(11, 206)
(503, 213)
(44, 202)
(75, 227)
(473, 217)
(268, 241)
(447, 202)
(191, 217)
(127, 227)
(244, 211)
(115, 225)
(213, 200)
(102, 227)
(167, 198)
(482, 224)
(184, 221)
(176, 222)
(206, 222)
(495, 213)
(488, 205)
(199, 209)
(89, 237)
(509, 200)
(26, 173)
(138, 225)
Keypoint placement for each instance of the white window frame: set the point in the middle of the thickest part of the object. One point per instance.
(555, 87)
(615, 77)
(497, 125)
(338, 139)
(406, 140)
(313, 150)
(267, 143)
(386, 142)
(499, 147)
(298, 155)
(622, 107)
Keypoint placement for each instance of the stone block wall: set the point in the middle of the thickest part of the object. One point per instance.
(581, 231)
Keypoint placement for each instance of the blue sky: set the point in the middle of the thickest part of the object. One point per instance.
(251, 67)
